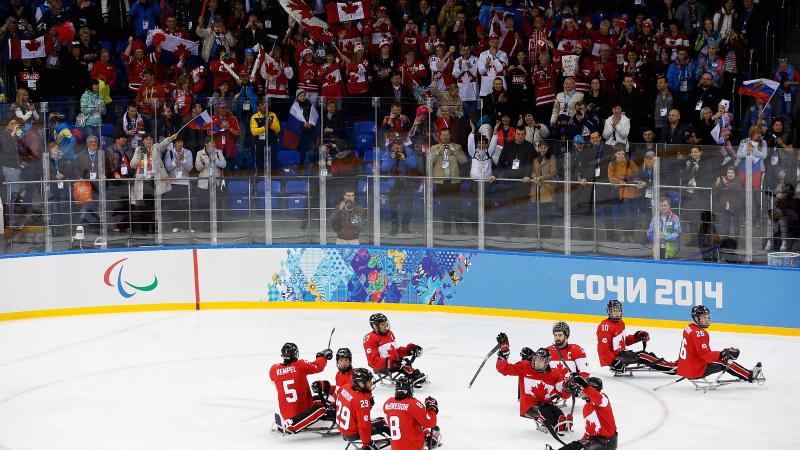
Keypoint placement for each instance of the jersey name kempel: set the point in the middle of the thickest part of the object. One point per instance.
(285, 370)
(662, 291)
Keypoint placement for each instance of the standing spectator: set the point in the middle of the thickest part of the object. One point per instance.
(789, 78)
(691, 16)
(86, 167)
(622, 173)
(9, 160)
(398, 162)
(514, 163)
(209, 163)
(104, 70)
(699, 172)
(543, 193)
(347, 219)
(465, 71)
(60, 170)
(605, 196)
(118, 157)
(663, 104)
(676, 132)
(545, 81)
(265, 128)
(617, 127)
(681, 78)
(214, 36)
(759, 115)
(566, 101)
(149, 98)
(492, 64)
(667, 226)
(151, 180)
(446, 159)
(24, 111)
(30, 78)
(93, 108)
(145, 15)
(752, 153)
(178, 163)
(139, 62)
(705, 95)
(729, 202)
(307, 112)
(225, 139)
(131, 124)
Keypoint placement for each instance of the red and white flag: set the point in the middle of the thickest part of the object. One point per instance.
(172, 44)
(301, 13)
(28, 49)
(347, 11)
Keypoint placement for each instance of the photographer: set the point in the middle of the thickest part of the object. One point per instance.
(340, 162)
(347, 219)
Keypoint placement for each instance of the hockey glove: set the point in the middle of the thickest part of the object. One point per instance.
(321, 387)
(729, 354)
(431, 405)
(504, 352)
(642, 336)
(578, 380)
(526, 354)
(414, 350)
(502, 338)
(327, 354)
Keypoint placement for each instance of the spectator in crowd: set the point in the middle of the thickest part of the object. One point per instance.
(624, 175)
(782, 225)
(666, 226)
(510, 191)
(789, 79)
(759, 114)
(681, 78)
(265, 128)
(92, 108)
(347, 219)
(398, 162)
(677, 132)
(225, 130)
(151, 180)
(9, 161)
(446, 159)
(566, 101)
(780, 153)
(117, 165)
(492, 64)
(705, 95)
(543, 193)
(60, 170)
(751, 154)
(62, 134)
(729, 203)
(209, 164)
(86, 167)
(178, 164)
(617, 127)
(699, 172)
(24, 111)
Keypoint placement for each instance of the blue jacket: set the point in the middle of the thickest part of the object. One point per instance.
(679, 72)
(145, 18)
(397, 167)
(751, 118)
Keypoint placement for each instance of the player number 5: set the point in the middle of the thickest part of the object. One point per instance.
(394, 428)
(683, 349)
(291, 394)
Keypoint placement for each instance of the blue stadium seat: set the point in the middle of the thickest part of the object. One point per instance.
(296, 198)
(363, 136)
(237, 198)
(276, 195)
(107, 45)
(288, 161)
(107, 130)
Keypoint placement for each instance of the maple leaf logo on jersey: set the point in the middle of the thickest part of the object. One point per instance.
(560, 371)
(592, 424)
(539, 391)
(330, 79)
(33, 45)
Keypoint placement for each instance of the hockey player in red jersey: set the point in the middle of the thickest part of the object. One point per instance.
(566, 355)
(353, 412)
(344, 375)
(601, 430)
(697, 360)
(612, 342)
(412, 425)
(385, 356)
(540, 386)
(298, 409)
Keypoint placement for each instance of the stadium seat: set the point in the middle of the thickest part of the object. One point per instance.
(276, 196)
(296, 198)
(363, 136)
(237, 198)
(107, 130)
(107, 45)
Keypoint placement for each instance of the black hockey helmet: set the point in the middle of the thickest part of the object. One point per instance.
(289, 352)
(344, 353)
(403, 388)
(562, 327)
(543, 355)
(612, 307)
(377, 319)
(361, 377)
(595, 382)
(697, 312)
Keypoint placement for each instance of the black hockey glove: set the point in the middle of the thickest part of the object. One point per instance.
(578, 380)
(431, 405)
(504, 352)
(327, 354)
(502, 338)
(321, 387)
(414, 350)
(526, 354)
(729, 354)
(642, 336)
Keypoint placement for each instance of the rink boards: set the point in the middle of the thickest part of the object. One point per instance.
(742, 299)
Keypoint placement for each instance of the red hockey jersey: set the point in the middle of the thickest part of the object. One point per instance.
(695, 353)
(574, 359)
(294, 394)
(380, 348)
(407, 419)
(353, 410)
(535, 387)
(612, 340)
(598, 415)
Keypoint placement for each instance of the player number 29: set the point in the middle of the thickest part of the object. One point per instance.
(291, 394)
(683, 349)
(394, 428)
(343, 415)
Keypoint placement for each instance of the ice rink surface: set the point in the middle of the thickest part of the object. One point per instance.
(197, 380)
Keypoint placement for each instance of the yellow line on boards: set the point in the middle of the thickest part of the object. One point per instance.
(470, 310)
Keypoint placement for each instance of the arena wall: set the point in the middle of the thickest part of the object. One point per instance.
(741, 298)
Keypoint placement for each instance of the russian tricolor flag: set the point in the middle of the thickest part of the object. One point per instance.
(759, 88)
(294, 126)
(203, 121)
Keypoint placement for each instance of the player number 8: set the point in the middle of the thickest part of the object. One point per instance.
(394, 427)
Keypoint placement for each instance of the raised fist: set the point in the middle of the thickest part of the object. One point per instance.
(526, 353)
(502, 338)
(321, 387)
(642, 336)
(504, 351)
(431, 404)
(327, 354)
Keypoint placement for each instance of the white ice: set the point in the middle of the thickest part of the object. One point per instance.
(197, 380)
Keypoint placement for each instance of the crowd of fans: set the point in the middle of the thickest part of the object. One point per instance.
(509, 91)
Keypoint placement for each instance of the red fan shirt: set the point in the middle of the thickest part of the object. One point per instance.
(407, 420)
(294, 394)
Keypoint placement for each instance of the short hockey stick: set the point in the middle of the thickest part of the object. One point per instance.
(330, 339)
(669, 384)
(489, 355)
(549, 427)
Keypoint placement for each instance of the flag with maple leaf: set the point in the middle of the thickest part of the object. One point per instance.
(30, 48)
(301, 12)
(347, 11)
(172, 44)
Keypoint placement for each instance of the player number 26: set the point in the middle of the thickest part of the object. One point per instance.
(683, 349)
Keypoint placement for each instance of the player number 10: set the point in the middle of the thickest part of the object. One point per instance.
(394, 427)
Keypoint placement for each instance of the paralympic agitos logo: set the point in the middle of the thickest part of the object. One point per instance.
(120, 283)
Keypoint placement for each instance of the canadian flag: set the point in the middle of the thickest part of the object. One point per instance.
(347, 11)
(302, 14)
(28, 49)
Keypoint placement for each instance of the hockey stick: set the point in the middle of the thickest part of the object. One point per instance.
(331, 338)
(558, 351)
(669, 384)
(488, 355)
(549, 427)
